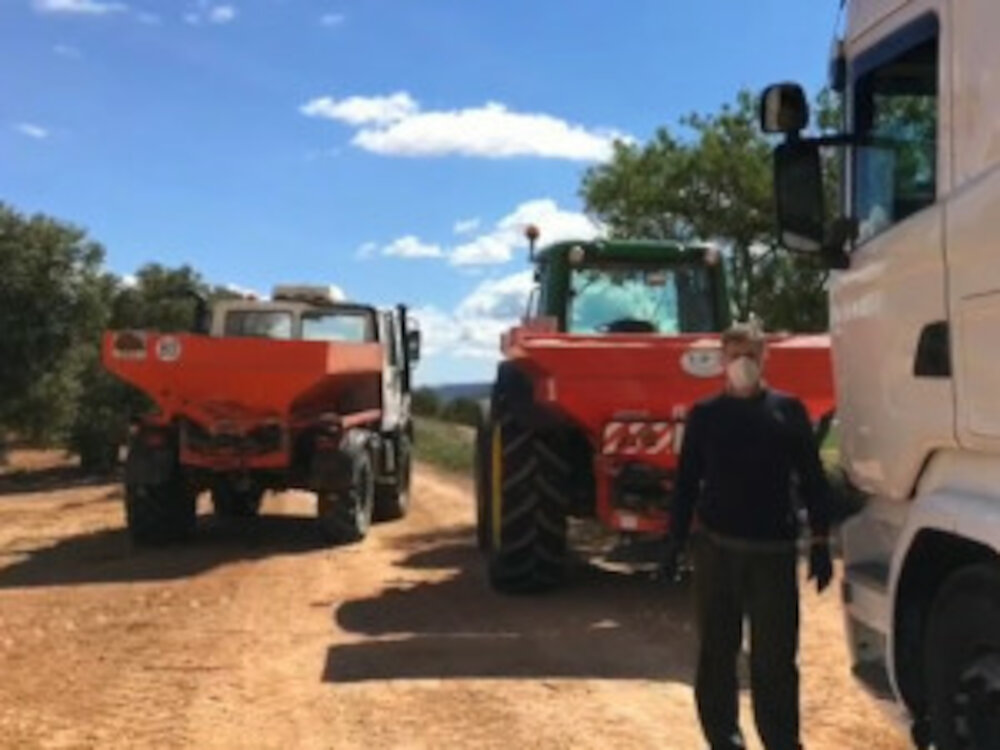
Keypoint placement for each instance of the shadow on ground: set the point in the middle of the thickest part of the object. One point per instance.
(108, 556)
(602, 624)
(49, 479)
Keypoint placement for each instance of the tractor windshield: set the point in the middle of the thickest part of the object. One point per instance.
(624, 298)
(356, 326)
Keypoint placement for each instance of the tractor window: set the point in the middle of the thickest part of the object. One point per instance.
(342, 325)
(266, 324)
(631, 299)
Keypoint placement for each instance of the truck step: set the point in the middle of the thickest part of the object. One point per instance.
(872, 574)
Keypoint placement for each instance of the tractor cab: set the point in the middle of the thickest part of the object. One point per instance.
(616, 286)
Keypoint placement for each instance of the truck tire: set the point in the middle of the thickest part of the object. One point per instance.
(483, 458)
(160, 513)
(346, 516)
(528, 508)
(229, 502)
(392, 501)
(962, 661)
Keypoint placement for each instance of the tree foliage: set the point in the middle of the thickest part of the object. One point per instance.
(714, 181)
(53, 295)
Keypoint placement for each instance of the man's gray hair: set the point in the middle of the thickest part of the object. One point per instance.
(744, 333)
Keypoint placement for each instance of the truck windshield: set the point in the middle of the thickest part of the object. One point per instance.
(641, 299)
(268, 324)
(341, 325)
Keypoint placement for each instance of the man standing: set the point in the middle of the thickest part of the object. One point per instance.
(741, 450)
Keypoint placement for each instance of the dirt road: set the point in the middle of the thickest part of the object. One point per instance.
(257, 636)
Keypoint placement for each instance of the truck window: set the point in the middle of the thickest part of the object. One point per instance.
(896, 121)
(267, 324)
(342, 325)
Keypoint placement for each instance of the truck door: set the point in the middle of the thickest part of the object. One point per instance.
(974, 224)
(392, 372)
(889, 312)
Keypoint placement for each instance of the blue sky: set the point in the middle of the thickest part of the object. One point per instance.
(394, 148)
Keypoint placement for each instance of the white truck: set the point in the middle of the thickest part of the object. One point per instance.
(915, 319)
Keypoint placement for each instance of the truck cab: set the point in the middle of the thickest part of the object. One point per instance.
(322, 313)
(915, 305)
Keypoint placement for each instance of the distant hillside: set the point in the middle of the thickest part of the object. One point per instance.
(475, 391)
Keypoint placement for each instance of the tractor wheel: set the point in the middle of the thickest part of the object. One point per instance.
(392, 501)
(229, 502)
(484, 480)
(962, 661)
(160, 513)
(345, 517)
(528, 508)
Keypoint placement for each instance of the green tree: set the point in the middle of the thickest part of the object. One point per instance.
(715, 182)
(52, 301)
(426, 403)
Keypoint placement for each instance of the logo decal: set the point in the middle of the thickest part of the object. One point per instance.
(702, 362)
(168, 349)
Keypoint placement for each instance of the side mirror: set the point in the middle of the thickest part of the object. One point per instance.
(798, 177)
(413, 345)
(784, 109)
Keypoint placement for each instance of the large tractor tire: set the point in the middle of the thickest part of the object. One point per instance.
(962, 661)
(392, 501)
(346, 516)
(160, 513)
(482, 472)
(230, 502)
(529, 505)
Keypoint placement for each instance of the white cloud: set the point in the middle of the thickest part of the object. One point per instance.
(78, 7)
(242, 291)
(396, 126)
(473, 330)
(332, 19)
(208, 13)
(412, 247)
(360, 110)
(498, 246)
(222, 14)
(466, 226)
(32, 131)
(367, 250)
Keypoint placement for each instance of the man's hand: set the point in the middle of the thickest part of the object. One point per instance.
(820, 564)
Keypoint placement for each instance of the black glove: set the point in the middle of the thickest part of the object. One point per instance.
(820, 564)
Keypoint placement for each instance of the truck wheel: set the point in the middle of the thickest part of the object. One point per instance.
(483, 478)
(160, 513)
(229, 502)
(346, 516)
(962, 658)
(528, 508)
(392, 501)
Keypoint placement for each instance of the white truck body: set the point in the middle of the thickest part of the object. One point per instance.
(915, 325)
